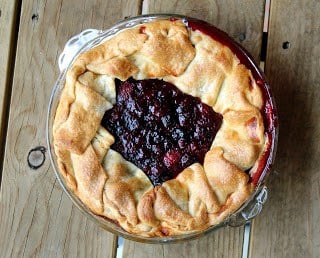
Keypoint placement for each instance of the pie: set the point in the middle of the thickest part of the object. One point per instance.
(162, 128)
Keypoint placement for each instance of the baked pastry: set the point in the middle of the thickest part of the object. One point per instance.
(162, 128)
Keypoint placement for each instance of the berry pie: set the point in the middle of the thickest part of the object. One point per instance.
(163, 128)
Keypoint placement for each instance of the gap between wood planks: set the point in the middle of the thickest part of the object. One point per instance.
(9, 82)
(263, 53)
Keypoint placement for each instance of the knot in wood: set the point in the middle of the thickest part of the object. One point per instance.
(35, 17)
(242, 37)
(36, 157)
(286, 45)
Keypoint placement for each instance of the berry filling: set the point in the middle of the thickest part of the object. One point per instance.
(160, 129)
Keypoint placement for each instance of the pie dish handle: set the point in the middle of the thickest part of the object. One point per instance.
(73, 46)
(251, 210)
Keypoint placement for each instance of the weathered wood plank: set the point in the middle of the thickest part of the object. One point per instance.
(232, 17)
(225, 242)
(36, 218)
(289, 226)
(8, 20)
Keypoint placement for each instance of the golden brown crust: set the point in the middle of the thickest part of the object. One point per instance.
(90, 178)
(201, 195)
(83, 115)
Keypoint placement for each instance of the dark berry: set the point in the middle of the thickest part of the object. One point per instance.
(160, 129)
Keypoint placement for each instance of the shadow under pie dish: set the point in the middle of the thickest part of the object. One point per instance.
(162, 129)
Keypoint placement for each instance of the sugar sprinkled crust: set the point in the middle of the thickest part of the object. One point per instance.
(201, 195)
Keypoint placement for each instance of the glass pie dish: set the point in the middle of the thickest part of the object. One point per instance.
(91, 38)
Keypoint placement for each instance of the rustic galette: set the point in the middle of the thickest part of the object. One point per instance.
(161, 129)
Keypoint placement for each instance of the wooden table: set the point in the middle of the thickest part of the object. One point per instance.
(37, 219)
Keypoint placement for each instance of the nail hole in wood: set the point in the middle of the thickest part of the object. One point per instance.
(242, 37)
(36, 157)
(35, 17)
(286, 45)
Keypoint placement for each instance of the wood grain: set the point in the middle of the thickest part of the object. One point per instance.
(225, 242)
(8, 17)
(289, 226)
(232, 17)
(36, 218)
